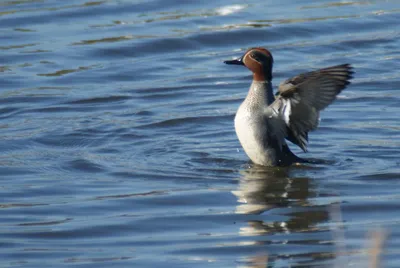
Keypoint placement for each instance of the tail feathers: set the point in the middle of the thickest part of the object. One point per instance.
(290, 158)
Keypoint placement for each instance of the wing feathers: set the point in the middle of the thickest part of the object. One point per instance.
(302, 97)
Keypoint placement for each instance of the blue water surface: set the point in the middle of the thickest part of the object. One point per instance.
(118, 147)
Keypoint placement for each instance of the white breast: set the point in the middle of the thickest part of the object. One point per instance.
(250, 128)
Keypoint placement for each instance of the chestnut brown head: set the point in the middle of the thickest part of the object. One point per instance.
(258, 60)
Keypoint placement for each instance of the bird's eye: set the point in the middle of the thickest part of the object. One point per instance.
(255, 57)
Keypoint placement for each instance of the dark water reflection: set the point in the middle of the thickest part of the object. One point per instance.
(261, 191)
(118, 147)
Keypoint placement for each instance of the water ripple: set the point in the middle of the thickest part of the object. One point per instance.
(118, 140)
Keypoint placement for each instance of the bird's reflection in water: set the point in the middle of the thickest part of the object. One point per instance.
(262, 188)
(279, 207)
(257, 261)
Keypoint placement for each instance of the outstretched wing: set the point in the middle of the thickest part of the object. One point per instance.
(302, 97)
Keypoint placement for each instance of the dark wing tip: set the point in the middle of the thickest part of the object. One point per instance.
(342, 74)
(349, 74)
(349, 70)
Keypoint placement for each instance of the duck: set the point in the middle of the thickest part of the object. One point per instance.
(265, 122)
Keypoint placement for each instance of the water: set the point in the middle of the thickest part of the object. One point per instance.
(118, 147)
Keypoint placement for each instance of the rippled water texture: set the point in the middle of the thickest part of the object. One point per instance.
(118, 147)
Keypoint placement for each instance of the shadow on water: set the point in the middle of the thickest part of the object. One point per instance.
(286, 216)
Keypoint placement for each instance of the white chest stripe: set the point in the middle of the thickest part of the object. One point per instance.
(287, 111)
